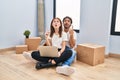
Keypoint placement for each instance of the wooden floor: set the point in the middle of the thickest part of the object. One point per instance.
(16, 67)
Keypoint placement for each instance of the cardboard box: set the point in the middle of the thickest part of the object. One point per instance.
(91, 54)
(32, 43)
(21, 48)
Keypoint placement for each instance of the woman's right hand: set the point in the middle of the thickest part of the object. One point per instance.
(47, 34)
(48, 40)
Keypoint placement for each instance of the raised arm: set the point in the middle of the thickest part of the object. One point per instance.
(48, 40)
(72, 40)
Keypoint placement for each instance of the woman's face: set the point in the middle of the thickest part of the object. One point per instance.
(56, 23)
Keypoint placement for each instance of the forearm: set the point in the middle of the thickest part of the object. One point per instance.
(63, 47)
(48, 42)
(62, 50)
(72, 41)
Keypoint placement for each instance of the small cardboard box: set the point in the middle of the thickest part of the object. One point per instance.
(32, 43)
(21, 48)
(91, 54)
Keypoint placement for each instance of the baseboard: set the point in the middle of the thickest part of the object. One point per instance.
(7, 49)
(114, 55)
(106, 56)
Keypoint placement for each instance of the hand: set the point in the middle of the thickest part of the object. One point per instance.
(71, 31)
(59, 54)
(47, 34)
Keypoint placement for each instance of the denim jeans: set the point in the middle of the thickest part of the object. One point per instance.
(71, 59)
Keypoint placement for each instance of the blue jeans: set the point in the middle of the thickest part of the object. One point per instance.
(71, 59)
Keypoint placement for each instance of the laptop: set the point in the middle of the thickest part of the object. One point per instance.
(48, 51)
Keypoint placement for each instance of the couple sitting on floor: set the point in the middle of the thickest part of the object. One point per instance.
(64, 40)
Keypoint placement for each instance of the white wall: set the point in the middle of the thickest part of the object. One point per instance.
(15, 17)
(114, 44)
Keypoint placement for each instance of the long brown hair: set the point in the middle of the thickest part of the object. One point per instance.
(52, 30)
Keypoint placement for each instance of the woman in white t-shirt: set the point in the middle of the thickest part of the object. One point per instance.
(56, 37)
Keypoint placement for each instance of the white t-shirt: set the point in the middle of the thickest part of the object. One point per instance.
(57, 41)
(68, 37)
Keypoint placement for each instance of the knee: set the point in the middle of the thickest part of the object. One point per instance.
(33, 54)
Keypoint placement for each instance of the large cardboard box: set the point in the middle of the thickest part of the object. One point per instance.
(91, 54)
(21, 48)
(32, 42)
